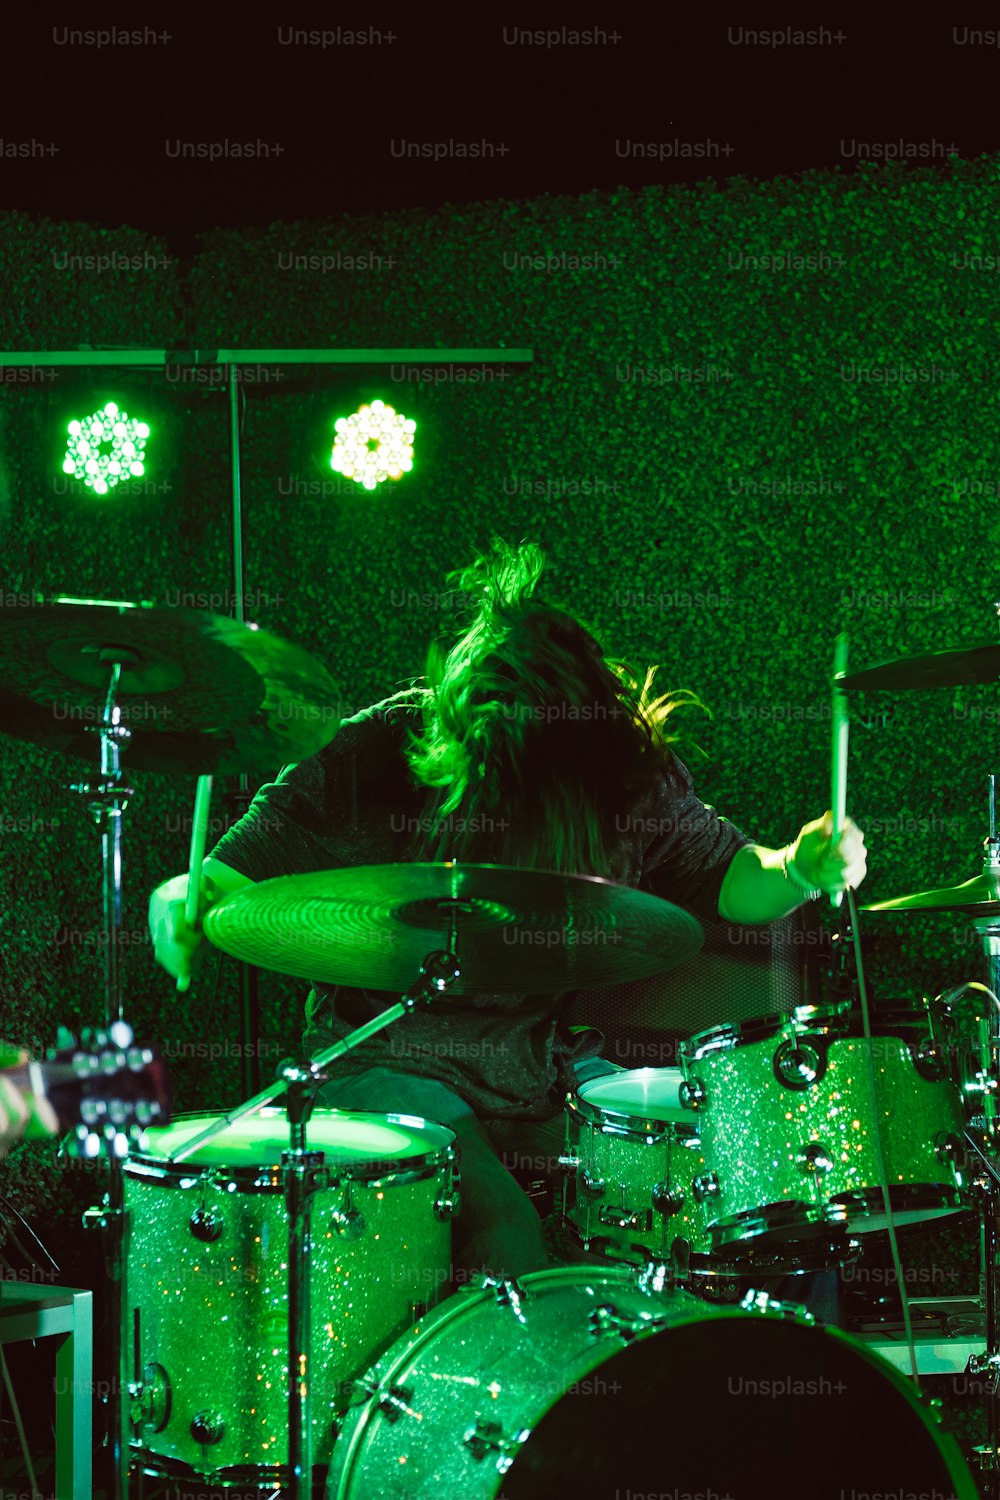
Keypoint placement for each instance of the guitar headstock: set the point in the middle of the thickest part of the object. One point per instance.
(106, 1087)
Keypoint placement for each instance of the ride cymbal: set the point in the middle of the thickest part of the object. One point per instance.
(515, 930)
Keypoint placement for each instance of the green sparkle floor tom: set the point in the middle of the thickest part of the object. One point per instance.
(207, 1270)
(786, 1116)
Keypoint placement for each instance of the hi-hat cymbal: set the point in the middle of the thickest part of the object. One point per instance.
(978, 897)
(964, 666)
(201, 693)
(528, 931)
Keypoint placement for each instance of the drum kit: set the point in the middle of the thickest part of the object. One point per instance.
(284, 1237)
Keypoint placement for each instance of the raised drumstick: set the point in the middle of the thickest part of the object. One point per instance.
(199, 829)
(838, 767)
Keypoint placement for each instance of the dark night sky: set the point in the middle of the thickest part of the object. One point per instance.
(108, 119)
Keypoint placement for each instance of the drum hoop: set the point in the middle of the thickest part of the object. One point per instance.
(615, 1122)
(805, 1020)
(261, 1177)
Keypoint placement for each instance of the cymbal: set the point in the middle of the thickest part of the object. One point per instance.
(961, 667)
(529, 931)
(977, 897)
(200, 692)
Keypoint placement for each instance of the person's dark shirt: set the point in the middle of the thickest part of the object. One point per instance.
(356, 802)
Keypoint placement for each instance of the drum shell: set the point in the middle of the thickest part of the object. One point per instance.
(548, 1394)
(641, 1152)
(757, 1128)
(213, 1314)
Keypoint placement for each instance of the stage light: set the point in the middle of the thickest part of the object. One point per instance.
(372, 444)
(105, 449)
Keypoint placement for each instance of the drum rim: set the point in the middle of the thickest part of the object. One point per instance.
(651, 1128)
(264, 1176)
(838, 1021)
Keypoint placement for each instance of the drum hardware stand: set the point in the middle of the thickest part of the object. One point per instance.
(988, 1364)
(108, 799)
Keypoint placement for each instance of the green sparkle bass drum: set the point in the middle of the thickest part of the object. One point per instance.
(787, 1115)
(207, 1277)
(599, 1384)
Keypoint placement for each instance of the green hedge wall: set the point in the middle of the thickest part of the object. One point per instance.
(758, 414)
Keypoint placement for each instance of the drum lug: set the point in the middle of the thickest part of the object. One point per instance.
(395, 1401)
(507, 1292)
(448, 1206)
(348, 1221)
(667, 1200)
(486, 1437)
(592, 1186)
(798, 1065)
(774, 1307)
(949, 1150)
(149, 1399)
(206, 1224)
(208, 1428)
(607, 1319)
(692, 1095)
(929, 1060)
(813, 1158)
(706, 1186)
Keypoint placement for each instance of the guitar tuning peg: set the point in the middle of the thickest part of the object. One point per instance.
(121, 1035)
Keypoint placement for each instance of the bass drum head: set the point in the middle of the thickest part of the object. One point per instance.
(749, 1407)
(591, 1384)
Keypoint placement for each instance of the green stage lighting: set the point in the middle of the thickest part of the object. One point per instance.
(374, 443)
(106, 449)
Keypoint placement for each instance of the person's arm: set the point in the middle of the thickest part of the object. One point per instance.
(763, 884)
(174, 942)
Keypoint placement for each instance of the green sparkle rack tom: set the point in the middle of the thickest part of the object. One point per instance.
(787, 1120)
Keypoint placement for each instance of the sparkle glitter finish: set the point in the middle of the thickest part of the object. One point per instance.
(637, 1148)
(580, 1380)
(474, 1360)
(215, 1315)
(792, 1157)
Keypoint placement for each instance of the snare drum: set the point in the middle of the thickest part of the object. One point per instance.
(207, 1276)
(785, 1112)
(590, 1382)
(635, 1155)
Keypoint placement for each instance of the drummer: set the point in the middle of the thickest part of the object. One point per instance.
(523, 745)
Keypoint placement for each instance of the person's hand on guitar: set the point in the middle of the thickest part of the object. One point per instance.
(22, 1112)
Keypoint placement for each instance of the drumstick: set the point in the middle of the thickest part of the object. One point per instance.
(838, 768)
(199, 829)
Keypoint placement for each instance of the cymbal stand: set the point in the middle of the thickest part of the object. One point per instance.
(107, 800)
(304, 1176)
(987, 1179)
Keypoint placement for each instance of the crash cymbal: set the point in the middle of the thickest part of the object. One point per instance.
(200, 692)
(962, 667)
(977, 897)
(516, 930)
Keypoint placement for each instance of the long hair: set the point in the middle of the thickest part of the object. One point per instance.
(533, 742)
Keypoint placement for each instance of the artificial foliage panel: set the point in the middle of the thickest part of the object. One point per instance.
(759, 414)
